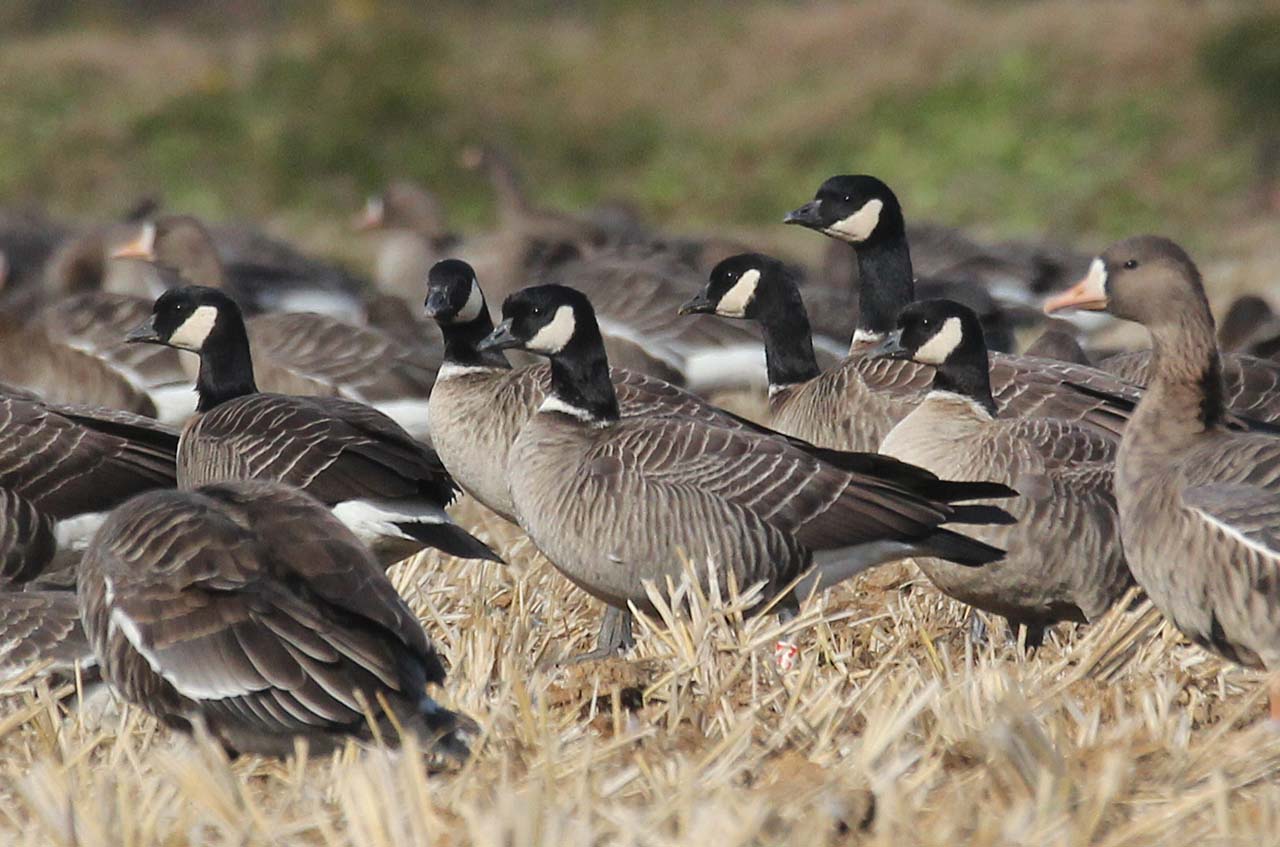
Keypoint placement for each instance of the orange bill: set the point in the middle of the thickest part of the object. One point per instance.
(1089, 293)
(141, 247)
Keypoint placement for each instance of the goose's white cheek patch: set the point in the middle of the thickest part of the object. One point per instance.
(936, 350)
(471, 309)
(859, 225)
(735, 301)
(191, 333)
(555, 336)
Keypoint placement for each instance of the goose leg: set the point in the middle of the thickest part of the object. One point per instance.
(615, 638)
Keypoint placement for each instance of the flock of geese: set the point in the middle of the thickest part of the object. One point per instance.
(218, 556)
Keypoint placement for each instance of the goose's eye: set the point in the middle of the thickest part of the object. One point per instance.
(1131, 264)
(848, 199)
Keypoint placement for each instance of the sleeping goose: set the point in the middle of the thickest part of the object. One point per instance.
(614, 502)
(854, 405)
(246, 607)
(388, 488)
(1063, 559)
(1199, 503)
(42, 627)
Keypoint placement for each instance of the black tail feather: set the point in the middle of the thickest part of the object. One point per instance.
(451, 539)
(961, 549)
(981, 514)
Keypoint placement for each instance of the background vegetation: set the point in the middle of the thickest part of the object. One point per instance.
(1058, 118)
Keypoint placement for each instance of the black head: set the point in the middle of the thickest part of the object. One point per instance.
(938, 333)
(549, 320)
(737, 287)
(859, 209)
(187, 317)
(453, 294)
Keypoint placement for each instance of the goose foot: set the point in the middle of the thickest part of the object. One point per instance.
(615, 639)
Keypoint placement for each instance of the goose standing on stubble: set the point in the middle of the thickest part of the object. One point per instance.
(388, 488)
(1063, 559)
(1199, 503)
(614, 502)
(248, 608)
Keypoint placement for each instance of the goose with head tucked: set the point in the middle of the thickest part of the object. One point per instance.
(1063, 559)
(854, 405)
(389, 488)
(249, 609)
(1199, 502)
(616, 502)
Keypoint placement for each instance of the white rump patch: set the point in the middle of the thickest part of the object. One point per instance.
(943, 343)
(410, 413)
(471, 309)
(735, 301)
(194, 330)
(831, 567)
(374, 519)
(555, 336)
(333, 304)
(859, 225)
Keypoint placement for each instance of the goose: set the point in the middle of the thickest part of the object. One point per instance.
(412, 235)
(480, 402)
(1063, 559)
(1058, 341)
(184, 244)
(614, 502)
(311, 353)
(1251, 327)
(62, 468)
(1199, 503)
(388, 488)
(248, 609)
(854, 405)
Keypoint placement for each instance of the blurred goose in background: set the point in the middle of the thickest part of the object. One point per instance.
(246, 608)
(390, 489)
(1199, 503)
(854, 405)
(1250, 327)
(1058, 341)
(614, 502)
(412, 236)
(182, 243)
(1063, 559)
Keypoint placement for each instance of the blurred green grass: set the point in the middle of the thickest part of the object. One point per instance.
(1008, 117)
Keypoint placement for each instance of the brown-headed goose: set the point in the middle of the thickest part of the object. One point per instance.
(1199, 503)
(616, 502)
(183, 243)
(854, 405)
(412, 236)
(390, 489)
(247, 608)
(1063, 559)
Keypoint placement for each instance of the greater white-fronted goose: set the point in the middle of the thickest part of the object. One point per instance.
(1063, 559)
(249, 608)
(614, 502)
(1199, 503)
(854, 405)
(183, 244)
(412, 236)
(390, 489)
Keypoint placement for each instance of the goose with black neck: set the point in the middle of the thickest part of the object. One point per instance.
(615, 502)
